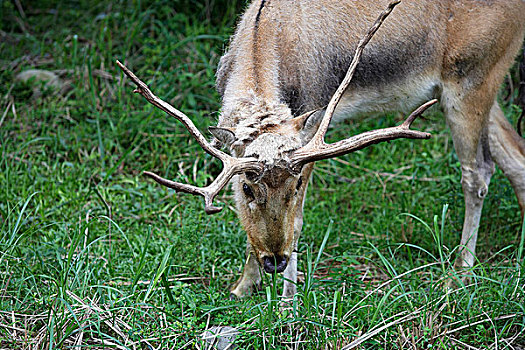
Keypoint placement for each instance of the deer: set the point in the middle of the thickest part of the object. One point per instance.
(293, 68)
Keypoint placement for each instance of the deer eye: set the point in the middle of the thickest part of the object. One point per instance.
(299, 183)
(248, 191)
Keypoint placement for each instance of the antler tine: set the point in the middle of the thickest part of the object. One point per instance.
(231, 168)
(318, 138)
(357, 142)
(231, 165)
(143, 89)
(317, 149)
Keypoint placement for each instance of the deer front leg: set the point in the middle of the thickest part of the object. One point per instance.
(250, 278)
(468, 120)
(290, 277)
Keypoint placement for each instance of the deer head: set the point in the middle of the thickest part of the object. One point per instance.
(271, 150)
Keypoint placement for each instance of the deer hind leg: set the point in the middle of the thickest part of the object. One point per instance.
(467, 118)
(508, 150)
(250, 278)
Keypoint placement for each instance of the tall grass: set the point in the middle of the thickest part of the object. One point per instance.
(94, 255)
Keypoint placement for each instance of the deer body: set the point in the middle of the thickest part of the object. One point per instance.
(288, 57)
(306, 47)
(281, 82)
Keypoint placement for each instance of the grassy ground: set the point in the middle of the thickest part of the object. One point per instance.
(92, 254)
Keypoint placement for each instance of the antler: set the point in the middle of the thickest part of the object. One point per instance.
(317, 149)
(308, 154)
(231, 165)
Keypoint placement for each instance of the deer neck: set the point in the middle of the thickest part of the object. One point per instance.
(254, 80)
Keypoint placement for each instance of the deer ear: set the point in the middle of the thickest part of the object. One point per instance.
(308, 123)
(225, 136)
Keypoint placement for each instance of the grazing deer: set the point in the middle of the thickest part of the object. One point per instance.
(279, 85)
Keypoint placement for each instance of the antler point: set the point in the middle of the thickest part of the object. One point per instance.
(212, 210)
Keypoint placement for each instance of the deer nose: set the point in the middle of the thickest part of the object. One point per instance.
(274, 264)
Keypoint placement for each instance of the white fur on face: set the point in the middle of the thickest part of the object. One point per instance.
(272, 148)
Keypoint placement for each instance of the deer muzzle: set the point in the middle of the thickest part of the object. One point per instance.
(275, 263)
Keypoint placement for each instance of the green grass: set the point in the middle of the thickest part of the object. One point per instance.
(95, 255)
